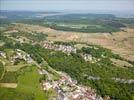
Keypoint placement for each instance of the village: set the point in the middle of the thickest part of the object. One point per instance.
(21, 55)
(68, 89)
(65, 87)
(68, 49)
(64, 48)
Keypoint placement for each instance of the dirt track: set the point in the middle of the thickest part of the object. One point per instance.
(8, 85)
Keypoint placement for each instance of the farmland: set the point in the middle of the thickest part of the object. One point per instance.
(40, 60)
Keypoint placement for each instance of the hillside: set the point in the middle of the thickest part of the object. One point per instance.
(39, 61)
(119, 42)
(68, 67)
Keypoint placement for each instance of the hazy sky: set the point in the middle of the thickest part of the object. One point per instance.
(44, 5)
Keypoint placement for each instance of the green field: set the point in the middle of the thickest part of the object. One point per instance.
(28, 88)
(28, 82)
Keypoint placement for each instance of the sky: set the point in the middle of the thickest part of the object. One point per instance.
(73, 5)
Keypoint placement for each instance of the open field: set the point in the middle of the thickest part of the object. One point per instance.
(8, 85)
(29, 83)
(16, 67)
(119, 42)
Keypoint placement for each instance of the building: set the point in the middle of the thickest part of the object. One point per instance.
(46, 86)
(2, 54)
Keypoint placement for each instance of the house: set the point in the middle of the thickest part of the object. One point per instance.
(63, 48)
(22, 55)
(87, 57)
(2, 54)
(28, 58)
(46, 85)
(42, 71)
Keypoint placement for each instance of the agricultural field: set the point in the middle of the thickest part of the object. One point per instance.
(87, 23)
(56, 55)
